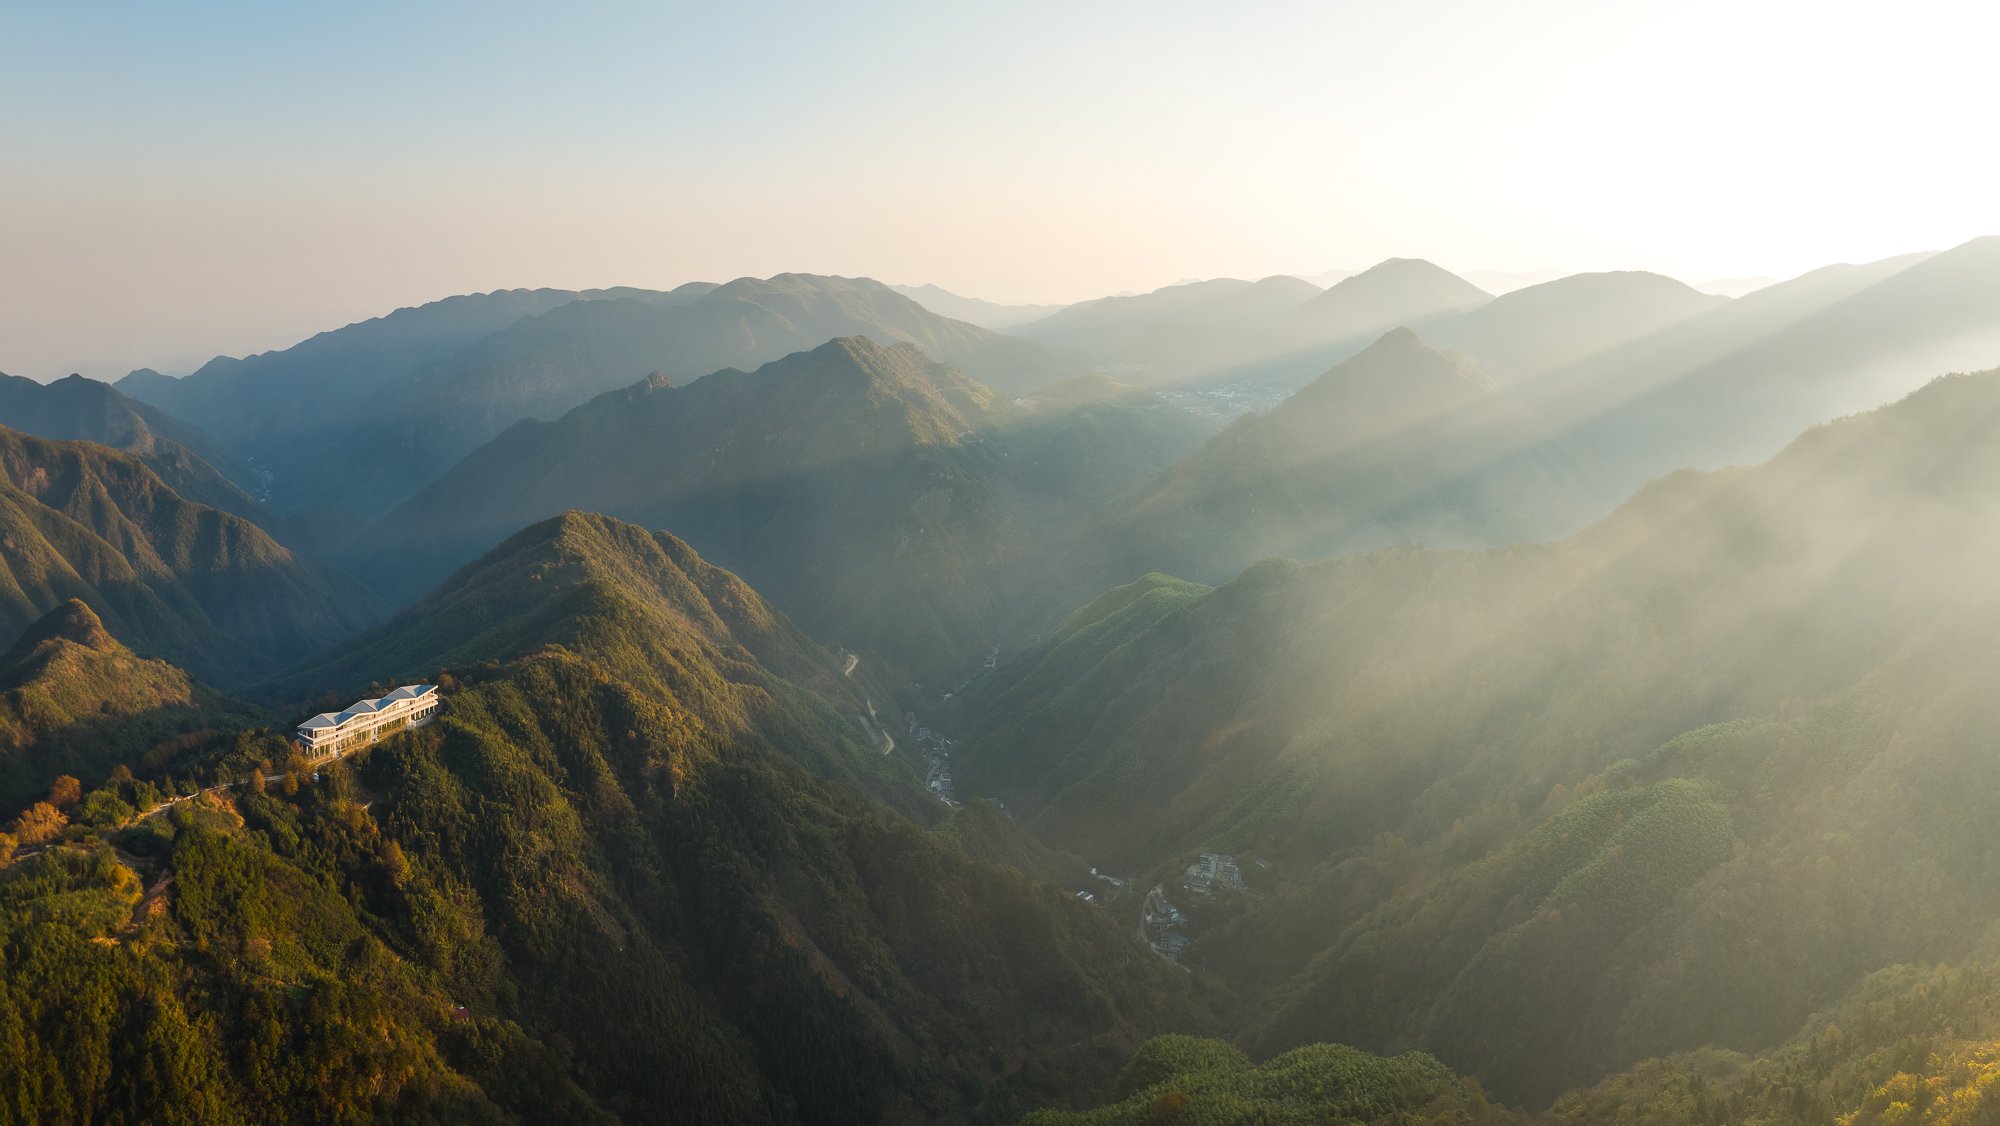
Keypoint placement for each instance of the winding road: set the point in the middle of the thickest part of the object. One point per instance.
(869, 723)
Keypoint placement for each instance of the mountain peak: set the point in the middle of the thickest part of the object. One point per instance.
(71, 621)
(1397, 380)
(1413, 272)
(1399, 291)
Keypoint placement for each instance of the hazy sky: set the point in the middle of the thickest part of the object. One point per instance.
(183, 179)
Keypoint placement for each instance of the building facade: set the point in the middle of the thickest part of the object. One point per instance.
(365, 721)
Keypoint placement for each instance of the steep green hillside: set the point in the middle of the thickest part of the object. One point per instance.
(1299, 481)
(75, 701)
(886, 501)
(1549, 810)
(1912, 1044)
(1208, 1083)
(202, 588)
(621, 849)
(189, 461)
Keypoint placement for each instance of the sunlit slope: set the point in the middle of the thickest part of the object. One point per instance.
(74, 701)
(205, 589)
(1868, 348)
(1550, 454)
(1204, 1082)
(622, 850)
(1313, 473)
(1458, 757)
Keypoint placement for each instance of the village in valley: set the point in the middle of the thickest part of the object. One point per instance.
(1213, 878)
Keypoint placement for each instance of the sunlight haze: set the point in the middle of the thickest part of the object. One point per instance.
(183, 183)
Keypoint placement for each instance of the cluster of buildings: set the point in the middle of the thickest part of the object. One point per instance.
(365, 721)
(1161, 925)
(936, 750)
(1213, 870)
(1223, 402)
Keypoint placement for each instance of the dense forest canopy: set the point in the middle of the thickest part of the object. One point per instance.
(1367, 699)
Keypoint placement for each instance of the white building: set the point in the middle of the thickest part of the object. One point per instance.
(365, 721)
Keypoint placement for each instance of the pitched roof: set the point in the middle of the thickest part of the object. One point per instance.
(360, 708)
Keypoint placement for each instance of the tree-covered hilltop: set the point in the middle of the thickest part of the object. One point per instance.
(624, 877)
(886, 501)
(202, 588)
(1186, 1079)
(1546, 811)
(1908, 1045)
(1911, 1044)
(74, 701)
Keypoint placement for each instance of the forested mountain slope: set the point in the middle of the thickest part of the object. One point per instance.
(1296, 480)
(292, 411)
(363, 417)
(74, 701)
(189, 461)
(885, 500)
(1548, 810)
(179, 580)
(625, 850)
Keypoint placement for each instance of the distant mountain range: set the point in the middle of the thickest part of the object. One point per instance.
(1177, 331)
(1697, 381)
(362, 417)
(886, 499)
(188, 460)
(1539, 328)
(973, 310)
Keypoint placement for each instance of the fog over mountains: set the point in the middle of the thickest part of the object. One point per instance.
(1376, 698)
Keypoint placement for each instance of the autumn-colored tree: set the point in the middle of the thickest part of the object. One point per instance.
(396, 864)
(40, 823)
(65, 791)
(1168, 1107)
(257, 784)
(290, 786)
(121, 773)
(7, 843)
